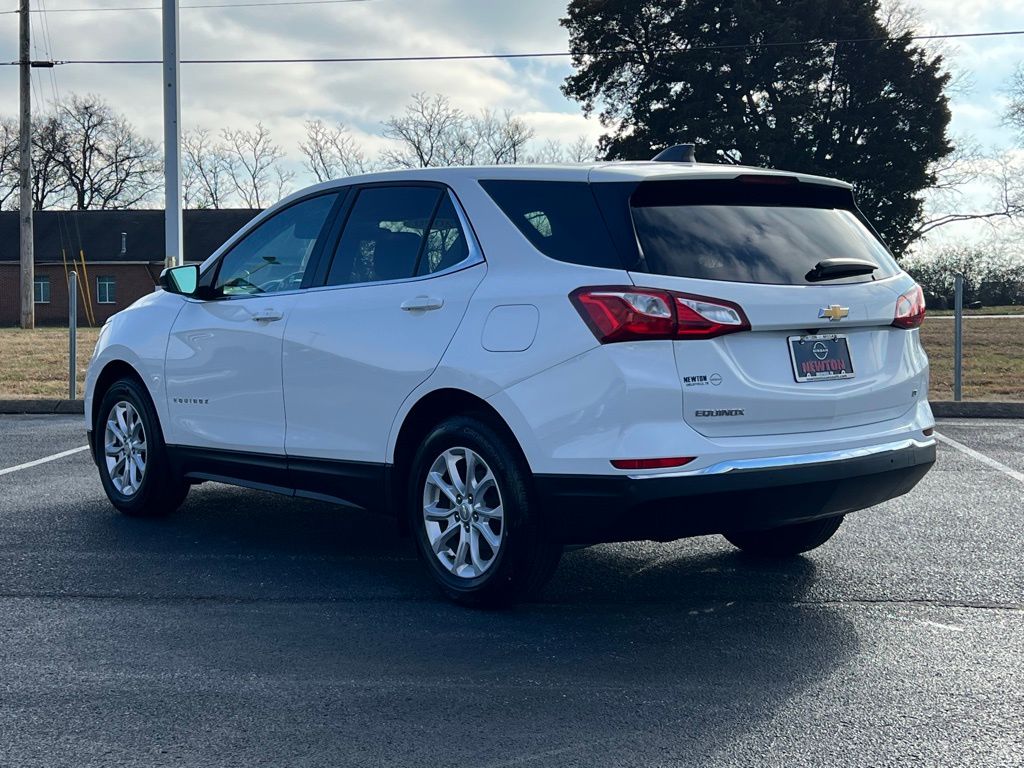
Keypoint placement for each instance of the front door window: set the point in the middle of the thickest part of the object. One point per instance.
(273, 257)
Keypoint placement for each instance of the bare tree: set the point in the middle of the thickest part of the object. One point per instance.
(497, 138)
(582, 150)
(1014, 115)
(49, 179)
(254, 166)
(104, 161)
(8, 160)
(429, 134)
(49, 183)
(550, 152)
(432, 132)
(206, 181)
(949, 199)
(900, 18)
(331, 152)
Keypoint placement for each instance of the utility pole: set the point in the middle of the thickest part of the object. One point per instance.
(172, 137)
(28, 309)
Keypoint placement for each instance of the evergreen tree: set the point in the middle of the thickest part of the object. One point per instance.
(761, 82)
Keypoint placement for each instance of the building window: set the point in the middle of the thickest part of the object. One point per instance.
(106, 289)
(41, 289)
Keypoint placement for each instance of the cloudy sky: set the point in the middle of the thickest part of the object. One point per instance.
(363, 94)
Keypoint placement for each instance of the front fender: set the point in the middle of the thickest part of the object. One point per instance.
(136, 336)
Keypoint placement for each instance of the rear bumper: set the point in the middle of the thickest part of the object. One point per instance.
(731, 496)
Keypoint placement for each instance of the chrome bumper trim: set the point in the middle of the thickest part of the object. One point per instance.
(803, 459)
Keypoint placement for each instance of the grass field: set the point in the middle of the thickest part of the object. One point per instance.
(35, 363)
(1014, 309)
(993, 358)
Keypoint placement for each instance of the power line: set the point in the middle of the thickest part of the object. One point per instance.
(326, 60)
(532, 55)
(194, 5)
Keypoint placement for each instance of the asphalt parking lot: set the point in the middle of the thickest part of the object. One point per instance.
(252, 629)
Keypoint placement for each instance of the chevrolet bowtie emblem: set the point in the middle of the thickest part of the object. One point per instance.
(834, 312)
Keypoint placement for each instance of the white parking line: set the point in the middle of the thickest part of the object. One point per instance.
(43, 460)
(1008, 471)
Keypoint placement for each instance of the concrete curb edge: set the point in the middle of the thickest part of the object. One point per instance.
(978, 409)
(41, 406)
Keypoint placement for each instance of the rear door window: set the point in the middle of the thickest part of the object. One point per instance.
(384, 235)
(446, 244)
(752, 232)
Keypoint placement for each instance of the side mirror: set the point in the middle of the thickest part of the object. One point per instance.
(183, 280)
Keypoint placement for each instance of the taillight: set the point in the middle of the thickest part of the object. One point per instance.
(910, 309)
(634, 314)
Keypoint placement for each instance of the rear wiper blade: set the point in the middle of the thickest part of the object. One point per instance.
(832, 269)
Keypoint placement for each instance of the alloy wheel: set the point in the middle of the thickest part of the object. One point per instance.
(124, 448)
(462, 513)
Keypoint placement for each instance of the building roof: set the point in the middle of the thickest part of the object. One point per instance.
(98, 234)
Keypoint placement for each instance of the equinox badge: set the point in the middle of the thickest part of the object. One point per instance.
(834, 312)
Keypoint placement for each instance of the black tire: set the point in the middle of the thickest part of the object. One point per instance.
(526, 558)
(160, 491)
(786, 540)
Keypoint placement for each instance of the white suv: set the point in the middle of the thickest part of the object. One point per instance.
(516, 359)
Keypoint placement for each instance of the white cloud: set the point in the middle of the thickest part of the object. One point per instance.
(364, 94)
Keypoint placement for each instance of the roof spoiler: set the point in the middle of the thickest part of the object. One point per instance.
(680, 153)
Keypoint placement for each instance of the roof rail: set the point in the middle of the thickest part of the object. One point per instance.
(680, 153)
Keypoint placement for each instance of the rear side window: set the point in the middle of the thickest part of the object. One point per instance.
(560, 219)
(752, 232)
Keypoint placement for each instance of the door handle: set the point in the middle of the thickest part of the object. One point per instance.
(267, 315)
(422, 304)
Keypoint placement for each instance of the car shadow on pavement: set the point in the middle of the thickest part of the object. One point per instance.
(636, 654)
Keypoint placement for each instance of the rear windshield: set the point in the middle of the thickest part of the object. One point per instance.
(751, 231)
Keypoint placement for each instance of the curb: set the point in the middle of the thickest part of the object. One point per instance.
(37, 406)
(969, 409)
(977, 409)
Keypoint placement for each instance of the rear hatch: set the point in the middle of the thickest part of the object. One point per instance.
(814, 283)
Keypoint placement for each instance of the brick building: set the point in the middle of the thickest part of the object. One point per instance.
(123, 253)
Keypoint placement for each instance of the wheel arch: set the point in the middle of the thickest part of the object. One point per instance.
(112, 371)
(429, 411)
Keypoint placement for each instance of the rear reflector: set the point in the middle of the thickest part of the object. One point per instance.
(626, 313)
(910, 309)
(677, 461)
(928, 432)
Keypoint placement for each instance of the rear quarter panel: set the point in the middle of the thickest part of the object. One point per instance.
(519, 277)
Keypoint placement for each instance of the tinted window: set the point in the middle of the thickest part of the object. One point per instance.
(273, 257)
(383, 235)
(751, 232)
(560, 218)
(446, 243)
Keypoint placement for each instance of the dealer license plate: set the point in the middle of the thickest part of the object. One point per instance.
(820, 357)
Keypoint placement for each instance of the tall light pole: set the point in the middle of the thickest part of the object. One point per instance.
(28, 309)
(173, 255)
